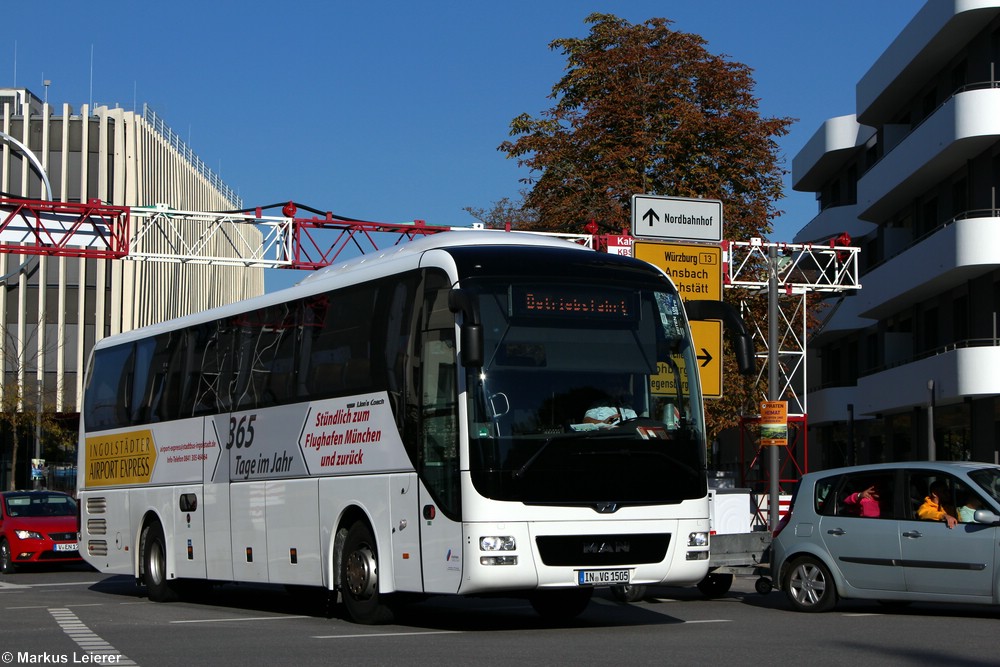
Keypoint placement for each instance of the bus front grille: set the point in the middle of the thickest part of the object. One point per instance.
(602, 550)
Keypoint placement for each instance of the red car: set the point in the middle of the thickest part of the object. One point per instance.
(37, 527)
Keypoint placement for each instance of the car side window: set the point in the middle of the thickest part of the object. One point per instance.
(937, 491)
(825, 498)
(862, 494)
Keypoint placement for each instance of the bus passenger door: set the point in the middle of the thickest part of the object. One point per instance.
(440, 510)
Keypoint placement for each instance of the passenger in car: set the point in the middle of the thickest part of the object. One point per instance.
(935, 504)
(967, 512)
(865, 503)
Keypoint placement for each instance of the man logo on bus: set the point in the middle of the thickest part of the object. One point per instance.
(606, 548)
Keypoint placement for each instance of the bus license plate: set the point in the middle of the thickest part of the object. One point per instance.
(603, 577)
(72, 546)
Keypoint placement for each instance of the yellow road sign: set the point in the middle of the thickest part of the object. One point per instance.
(695, 269)
(697, 272)
(708, 350)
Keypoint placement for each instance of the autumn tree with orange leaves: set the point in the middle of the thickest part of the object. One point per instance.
(645, 109)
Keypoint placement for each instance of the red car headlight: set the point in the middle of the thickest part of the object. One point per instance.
(28, 535)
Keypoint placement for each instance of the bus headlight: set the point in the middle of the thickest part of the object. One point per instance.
(497, 543)
(498, 560)
(698, 540)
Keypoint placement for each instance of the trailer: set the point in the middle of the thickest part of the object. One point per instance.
(739, 546)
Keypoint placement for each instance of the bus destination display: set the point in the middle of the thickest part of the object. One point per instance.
(573, 301)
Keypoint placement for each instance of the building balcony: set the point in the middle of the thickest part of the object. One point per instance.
(827, 152)
(957, 373)
(833, 221)
(964, 126)
(938, 32)
(830, 404)
(841, 317)
(954, 254)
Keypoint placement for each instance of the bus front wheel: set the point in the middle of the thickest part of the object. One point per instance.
(154, 564)
(359, 578)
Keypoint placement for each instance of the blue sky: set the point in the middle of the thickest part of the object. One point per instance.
(393, 111)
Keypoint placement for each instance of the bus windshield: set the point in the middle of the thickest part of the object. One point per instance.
(584, 395)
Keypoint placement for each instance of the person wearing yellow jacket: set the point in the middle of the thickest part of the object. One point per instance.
(933, 508)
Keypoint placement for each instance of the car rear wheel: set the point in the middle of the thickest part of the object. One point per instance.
(809, 586)
(6, 558)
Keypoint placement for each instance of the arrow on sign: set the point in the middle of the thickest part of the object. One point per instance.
(706, 356)
(651, 214)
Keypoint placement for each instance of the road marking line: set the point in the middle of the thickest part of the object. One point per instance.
(84, 637)
(710, 620)
(237, 619)
(389, 634)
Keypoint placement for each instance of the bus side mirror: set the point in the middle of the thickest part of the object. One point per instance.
(739, 336)
(471, 331)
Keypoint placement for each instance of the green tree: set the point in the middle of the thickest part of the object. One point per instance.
(505, 212)
(643, 108)
(26, 411)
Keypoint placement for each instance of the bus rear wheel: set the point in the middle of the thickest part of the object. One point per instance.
(359, 578)
(154, 564)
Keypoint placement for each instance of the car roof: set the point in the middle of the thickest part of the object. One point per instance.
(946, 466)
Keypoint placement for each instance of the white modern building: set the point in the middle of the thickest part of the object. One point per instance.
(55, 308)
(910, 364)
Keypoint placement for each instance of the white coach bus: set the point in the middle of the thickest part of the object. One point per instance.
(413, 422)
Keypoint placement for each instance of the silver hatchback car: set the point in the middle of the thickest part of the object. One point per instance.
(894, 532)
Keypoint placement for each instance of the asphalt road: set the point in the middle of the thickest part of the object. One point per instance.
(76, 616)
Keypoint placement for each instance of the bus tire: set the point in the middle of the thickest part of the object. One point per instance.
(562, 604)
(153, 554)
(359, 578)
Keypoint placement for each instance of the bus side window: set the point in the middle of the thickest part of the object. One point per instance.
(280, 383)
(109, 379)
(211, 391)
(399, 325)
(337, 355)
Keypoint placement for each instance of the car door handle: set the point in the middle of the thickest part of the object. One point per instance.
(912, 533)
(836, 531)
